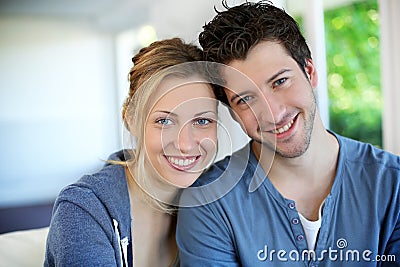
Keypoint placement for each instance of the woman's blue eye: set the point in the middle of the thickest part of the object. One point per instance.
(164, 121)
(202, 121)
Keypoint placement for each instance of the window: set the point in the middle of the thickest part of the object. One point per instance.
(353, 63)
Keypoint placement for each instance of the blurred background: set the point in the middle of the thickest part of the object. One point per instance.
(63, 78)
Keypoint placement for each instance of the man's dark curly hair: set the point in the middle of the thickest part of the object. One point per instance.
(233, 32)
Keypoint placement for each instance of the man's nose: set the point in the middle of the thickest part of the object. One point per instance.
(272, 109)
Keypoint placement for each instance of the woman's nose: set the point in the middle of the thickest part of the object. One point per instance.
(186, 141)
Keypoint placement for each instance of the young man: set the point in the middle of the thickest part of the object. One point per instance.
(323, 199)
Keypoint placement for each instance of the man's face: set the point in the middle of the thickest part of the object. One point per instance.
(278, 110)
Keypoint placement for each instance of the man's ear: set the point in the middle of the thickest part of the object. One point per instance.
(311, 73)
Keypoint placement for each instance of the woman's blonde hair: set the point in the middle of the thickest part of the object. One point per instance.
(151, 65)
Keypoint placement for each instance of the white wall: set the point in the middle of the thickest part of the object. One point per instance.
(390, 58)
(61, 89)
(58, 106)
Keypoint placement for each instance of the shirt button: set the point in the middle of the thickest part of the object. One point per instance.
(300, 238)
(291, 205)
(295, 221)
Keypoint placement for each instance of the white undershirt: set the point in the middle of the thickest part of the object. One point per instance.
(311, 228)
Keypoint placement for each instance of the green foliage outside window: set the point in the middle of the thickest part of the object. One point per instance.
(353, 61)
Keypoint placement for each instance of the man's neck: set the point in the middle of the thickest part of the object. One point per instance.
(306, 179)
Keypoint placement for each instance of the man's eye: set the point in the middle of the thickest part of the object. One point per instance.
(279, 82)
(244, 100)
(164, 121)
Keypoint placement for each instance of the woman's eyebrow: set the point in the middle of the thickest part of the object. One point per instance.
(169, 113)
(205, 112)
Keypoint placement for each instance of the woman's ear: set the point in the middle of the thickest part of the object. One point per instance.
(311, 73)
(128, 123)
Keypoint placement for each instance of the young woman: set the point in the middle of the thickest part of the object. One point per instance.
(124, 215)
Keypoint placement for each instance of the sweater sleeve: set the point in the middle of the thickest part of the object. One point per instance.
(80, 233)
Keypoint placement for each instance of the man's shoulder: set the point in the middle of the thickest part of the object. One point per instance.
(361, 152)
(235, 165)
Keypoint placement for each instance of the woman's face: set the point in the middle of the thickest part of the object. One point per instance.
(181, 131)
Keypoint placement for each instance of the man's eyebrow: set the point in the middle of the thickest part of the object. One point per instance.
(273, 77)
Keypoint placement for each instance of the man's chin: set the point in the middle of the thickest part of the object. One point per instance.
(292, 152)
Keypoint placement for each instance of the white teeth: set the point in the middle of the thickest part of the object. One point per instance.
(181, 162)
(284, 128)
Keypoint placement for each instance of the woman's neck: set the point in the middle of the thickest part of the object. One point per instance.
(153, 230)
